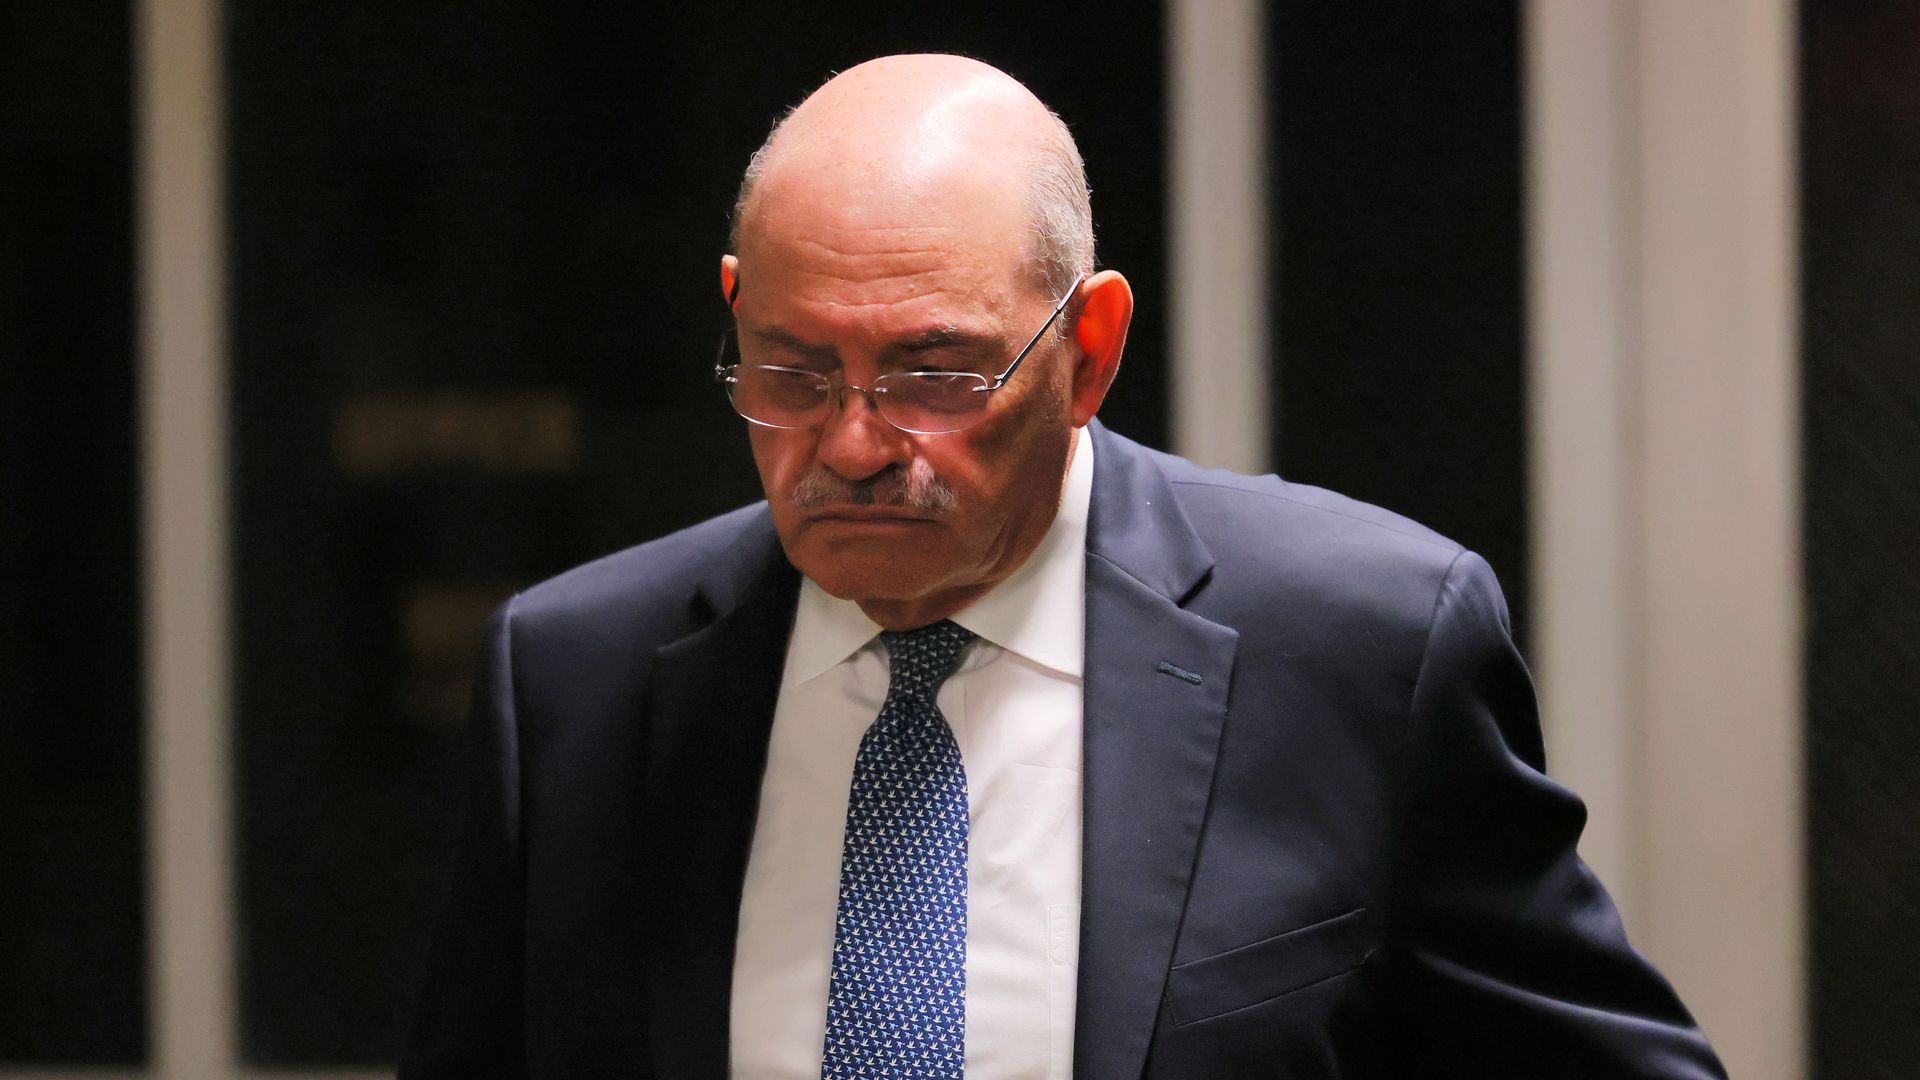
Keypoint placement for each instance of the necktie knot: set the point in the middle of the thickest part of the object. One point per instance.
(918, 661)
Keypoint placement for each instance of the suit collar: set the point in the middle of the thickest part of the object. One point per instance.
(713, 696)
(1155, 704)
(740, 565)
(1136, 524)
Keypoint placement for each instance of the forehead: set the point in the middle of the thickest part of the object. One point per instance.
(845, 244)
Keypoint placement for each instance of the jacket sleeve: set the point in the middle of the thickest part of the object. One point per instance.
(1514, 961)
(469, 1021)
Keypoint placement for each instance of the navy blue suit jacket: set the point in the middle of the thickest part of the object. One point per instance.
(1318, 838)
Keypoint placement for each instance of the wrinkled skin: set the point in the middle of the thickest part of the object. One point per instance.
(889, 231)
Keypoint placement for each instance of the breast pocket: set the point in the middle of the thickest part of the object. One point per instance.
(1279, 965)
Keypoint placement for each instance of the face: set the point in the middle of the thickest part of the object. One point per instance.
(912, 527)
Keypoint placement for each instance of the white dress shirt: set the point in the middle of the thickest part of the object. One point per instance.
(1014, 704)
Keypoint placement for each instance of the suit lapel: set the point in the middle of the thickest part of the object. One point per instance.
(1155, 701)
(714, 693)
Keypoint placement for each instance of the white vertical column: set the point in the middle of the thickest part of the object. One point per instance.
(1583, 319)
(1217, 229)
(184, 522)
(1720, 421)
(1663, 379)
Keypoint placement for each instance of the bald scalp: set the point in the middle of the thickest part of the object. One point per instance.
(897, 124)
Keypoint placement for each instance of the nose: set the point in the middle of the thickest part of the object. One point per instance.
(855, 441)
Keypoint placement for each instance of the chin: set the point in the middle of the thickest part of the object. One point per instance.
(882, 586)
(869, 577)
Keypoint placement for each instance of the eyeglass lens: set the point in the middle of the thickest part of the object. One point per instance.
(924, 402)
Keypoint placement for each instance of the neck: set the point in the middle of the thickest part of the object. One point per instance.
(923, 610)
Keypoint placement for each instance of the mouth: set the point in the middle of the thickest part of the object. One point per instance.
(869, 515)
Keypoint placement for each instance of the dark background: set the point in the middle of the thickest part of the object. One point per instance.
(1398, 280)
(1860, 177)
(72, 871)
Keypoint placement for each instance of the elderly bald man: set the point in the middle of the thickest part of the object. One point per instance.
(993, 744)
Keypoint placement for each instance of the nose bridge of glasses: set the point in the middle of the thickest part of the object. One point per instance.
(843, 424)
(837, 393)
(835, 411)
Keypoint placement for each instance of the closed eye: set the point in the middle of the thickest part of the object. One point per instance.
(945, 348)
(953, 367)
(943, 358)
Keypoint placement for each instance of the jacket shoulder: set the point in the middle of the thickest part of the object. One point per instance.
(648, 586)
(1265, 517)
(1345, 569)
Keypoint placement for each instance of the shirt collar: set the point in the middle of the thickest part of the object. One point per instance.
(1039, 611)
(826, 630)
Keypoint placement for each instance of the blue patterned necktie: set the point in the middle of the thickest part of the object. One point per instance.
(896, 1005)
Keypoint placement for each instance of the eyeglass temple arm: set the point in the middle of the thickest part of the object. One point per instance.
(719, 368)
(1001, 379)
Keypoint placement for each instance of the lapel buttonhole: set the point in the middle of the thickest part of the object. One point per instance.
(1169, 668)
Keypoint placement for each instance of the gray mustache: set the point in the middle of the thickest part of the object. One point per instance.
(917, 488)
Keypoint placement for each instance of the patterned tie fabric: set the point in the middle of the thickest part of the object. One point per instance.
(896, 1005)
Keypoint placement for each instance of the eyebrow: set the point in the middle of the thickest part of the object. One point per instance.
(784, 339)
(929, 340)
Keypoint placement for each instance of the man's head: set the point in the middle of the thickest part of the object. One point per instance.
(915, 213)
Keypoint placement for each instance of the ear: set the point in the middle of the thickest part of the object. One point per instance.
(729, 276)
(1100, 328)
